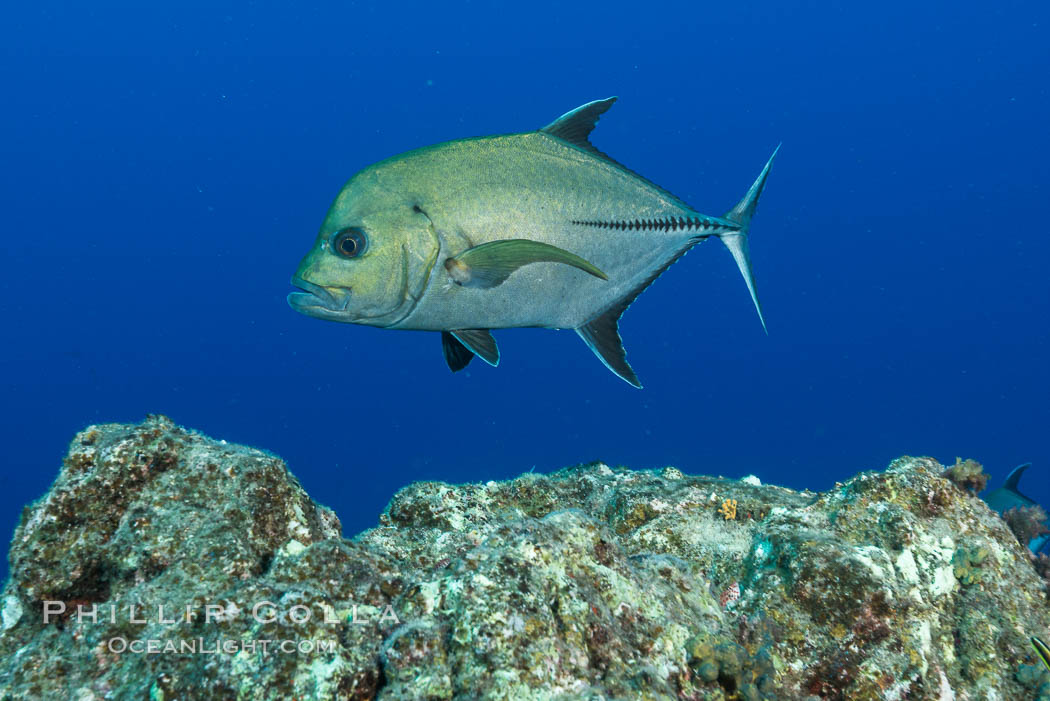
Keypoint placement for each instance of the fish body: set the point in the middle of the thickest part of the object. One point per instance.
(538, 229)
(566, 190)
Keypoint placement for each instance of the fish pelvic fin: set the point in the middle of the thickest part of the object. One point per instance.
(736, 241)
(457, 356)
(479, 342)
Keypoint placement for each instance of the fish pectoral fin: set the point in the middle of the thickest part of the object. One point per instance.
(490, 264)
(457, 356)
(602, 335)
(479, 342)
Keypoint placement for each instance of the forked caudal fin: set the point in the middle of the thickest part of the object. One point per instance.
(736, 241)
(601, 333)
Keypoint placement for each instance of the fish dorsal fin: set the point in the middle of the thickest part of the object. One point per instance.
(602, 333)
(480, 342)
(1015, 476)
(577, 125)
(456, 354)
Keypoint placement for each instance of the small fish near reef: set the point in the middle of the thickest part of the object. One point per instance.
(537, 229)
(1009, 496)
(1042, 650)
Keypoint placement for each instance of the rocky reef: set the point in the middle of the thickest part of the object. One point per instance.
(163, 564)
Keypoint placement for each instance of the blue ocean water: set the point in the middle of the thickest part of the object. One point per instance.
(164, 169)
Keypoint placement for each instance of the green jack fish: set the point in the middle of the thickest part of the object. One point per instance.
(539, 229)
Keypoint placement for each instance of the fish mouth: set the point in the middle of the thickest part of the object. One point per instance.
(315, 300)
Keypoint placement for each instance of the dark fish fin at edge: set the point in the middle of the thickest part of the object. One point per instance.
(1015, 476)
(479, 342)
(457, 356)
(602, 333)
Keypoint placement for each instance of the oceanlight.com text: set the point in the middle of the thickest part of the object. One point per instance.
(229, 646)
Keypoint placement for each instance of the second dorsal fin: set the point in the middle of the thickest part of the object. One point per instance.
(575, 128)
(1015, 476)
(577, 125)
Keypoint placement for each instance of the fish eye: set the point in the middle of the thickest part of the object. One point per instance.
(349, 243)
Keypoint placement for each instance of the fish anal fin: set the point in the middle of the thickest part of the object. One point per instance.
(457, 356)
(479, 342)
(602, 333)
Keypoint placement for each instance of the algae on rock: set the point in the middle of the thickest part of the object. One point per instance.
(589, 583)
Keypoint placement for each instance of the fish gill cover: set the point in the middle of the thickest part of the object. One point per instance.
(164, 169)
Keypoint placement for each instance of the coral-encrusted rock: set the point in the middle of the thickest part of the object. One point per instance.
(590, 583)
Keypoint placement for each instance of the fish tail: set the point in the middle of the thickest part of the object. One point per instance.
(736, 241)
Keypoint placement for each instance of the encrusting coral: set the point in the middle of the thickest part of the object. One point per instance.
(593, 582)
